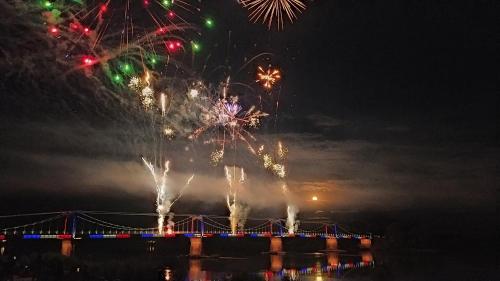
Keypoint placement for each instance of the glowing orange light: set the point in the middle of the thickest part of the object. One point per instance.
(315, 198)
(268, 77)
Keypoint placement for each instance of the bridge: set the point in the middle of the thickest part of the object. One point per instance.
(76, 225)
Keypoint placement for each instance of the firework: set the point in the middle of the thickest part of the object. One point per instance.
(165, 196)
(292, 224)
(273, 10)
(268, 77)
(169, 132)
(282, 151)
(226, 118)
(238, 211)
(217, 156)
(112, 39)
(276, 166)
(163, 103)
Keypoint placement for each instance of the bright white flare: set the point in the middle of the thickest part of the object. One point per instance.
(194, 93)
(165, 197)
(163, 104)
(292, 224)
(238, 212)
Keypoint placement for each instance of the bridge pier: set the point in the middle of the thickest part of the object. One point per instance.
(195, 247)
(66, 247)
(365, 243)
(331, 244)
(275, 245)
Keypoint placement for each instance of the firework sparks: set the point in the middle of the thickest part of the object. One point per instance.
(273, 10)
(282, 151)
(163, 104)
(238, 211)
(217, 156)
(165, 197)
(226, 117)
(276, 166)
(292, 224)
(169, 132)
(268, 77)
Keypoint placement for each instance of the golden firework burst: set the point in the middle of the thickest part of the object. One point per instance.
(268, 77)
(273, 10)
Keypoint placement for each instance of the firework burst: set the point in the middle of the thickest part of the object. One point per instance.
(226, 121)
(268, 77)
(271, 11)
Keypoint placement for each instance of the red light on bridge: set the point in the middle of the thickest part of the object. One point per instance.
(64, 236)
(122, 236)
(2, 237)
(208, 235)
(169, 235)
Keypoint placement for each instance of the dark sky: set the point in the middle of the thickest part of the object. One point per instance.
(385, 105)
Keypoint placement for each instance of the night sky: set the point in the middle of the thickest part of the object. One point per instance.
(386, 106)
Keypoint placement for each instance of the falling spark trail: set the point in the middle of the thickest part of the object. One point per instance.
(163, 103)
(238, 212)
(165, 198)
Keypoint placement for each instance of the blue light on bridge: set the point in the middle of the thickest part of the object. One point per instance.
(254, 235)
(96, 236)
(147, 235)
(189, 235)
(225, 235)
(32, 236)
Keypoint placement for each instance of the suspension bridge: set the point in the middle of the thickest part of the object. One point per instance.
(92, 225)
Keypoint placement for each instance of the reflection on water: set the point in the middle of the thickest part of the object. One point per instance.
(281, 267)
(195, 272)
(146, 261)
(276, 263)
